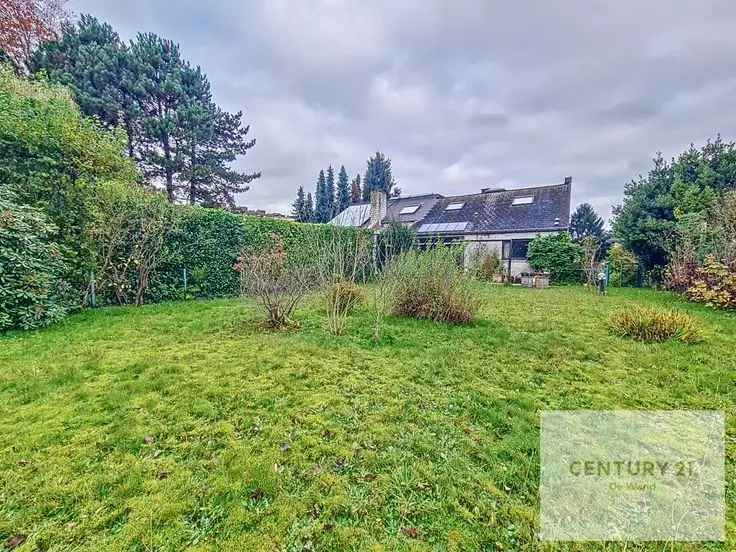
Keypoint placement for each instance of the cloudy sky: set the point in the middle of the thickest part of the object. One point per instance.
(461, 95)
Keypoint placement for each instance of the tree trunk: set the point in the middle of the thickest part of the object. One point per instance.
(192, 185)
(168, 171)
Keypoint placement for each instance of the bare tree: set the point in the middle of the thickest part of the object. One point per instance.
(591, 245)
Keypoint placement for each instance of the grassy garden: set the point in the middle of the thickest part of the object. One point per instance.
(188, 425)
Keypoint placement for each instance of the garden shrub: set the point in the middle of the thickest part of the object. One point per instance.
(654, 325)
(714, 285)
(558, 255)
(130, 232)
(342, 297)
(623, 265)
(276, 282)
(32, 291)
(341, 259)
(53, 159)
(486, 265)
(432, 285)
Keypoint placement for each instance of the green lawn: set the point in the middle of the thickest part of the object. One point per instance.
(185, 425)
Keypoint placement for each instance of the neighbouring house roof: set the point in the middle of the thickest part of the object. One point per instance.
(525, 209)
(360, 213)
(493, 211)
(355, 215)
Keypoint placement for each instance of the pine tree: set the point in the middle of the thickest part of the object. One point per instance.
(355, 191)
(330, 193)
(321, 206)
(378, 176)
(91, 60)
(162, 99)
(298, 207)
(586, 222)
(210, 139)
(309, 209)
(343, 191)
(175, 131)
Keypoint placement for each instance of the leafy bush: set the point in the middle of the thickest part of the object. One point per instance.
(432, 285)
(486, 265)
(714, 285)
(558, 255)
(31, 269)
(624, 266)
(53, 159)
(277, 283)
(654, 325)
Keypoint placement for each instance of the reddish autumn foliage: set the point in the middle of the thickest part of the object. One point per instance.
(24, 24)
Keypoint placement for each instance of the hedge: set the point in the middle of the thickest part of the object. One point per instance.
(207, 242)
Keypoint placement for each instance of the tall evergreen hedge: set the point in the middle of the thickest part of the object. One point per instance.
(207, 242)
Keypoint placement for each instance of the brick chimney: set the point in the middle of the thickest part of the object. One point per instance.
(568, 180)
(379, 203)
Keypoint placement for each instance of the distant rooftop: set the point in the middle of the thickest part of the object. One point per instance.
(492, 211)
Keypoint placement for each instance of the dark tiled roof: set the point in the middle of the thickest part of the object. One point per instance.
(425, 202)
(494, 212)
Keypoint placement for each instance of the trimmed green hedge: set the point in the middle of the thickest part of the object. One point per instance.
(207, 243)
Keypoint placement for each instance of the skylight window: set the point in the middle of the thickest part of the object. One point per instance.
(443, 227)
(454, 206)
(527, 200)
(409, 210)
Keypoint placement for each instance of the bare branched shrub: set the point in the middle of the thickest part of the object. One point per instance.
(341, 259)
(277, 284)
(341, 298)
(591, 246)
(130, 230)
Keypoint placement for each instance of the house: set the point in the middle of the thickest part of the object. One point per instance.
(494, 219)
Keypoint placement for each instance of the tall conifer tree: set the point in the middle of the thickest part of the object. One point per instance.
(309, 209)
(322, 209)
(298, 207)
(356, 194)
(330, 193)
(343, 191)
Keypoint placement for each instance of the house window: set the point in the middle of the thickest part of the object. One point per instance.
(519, 249)
(514, 249)
(506, 249)
(409, 210)
(527, 200)
(454, 206)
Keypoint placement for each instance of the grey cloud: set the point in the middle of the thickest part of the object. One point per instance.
(460, 95)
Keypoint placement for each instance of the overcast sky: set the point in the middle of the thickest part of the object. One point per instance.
(460, 95)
